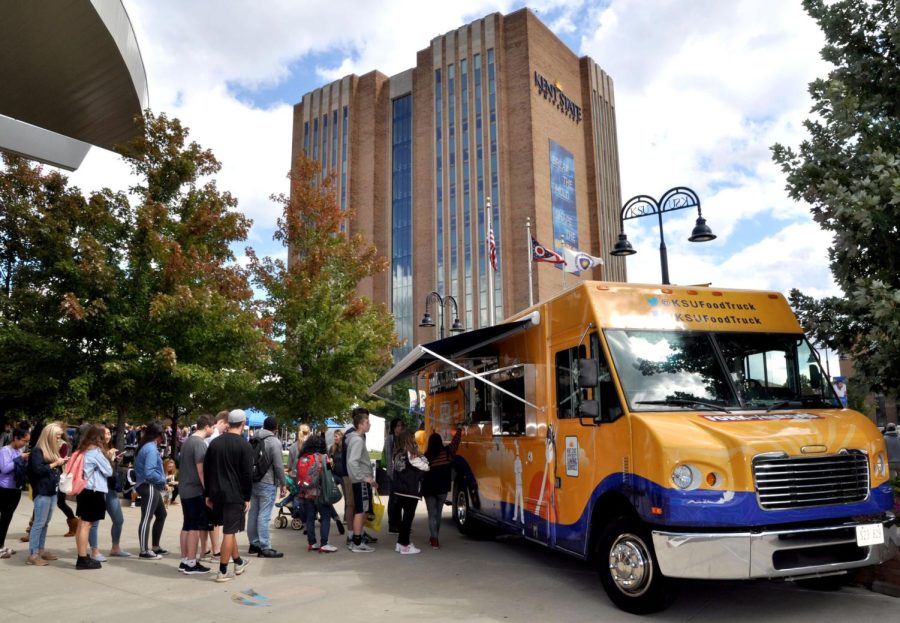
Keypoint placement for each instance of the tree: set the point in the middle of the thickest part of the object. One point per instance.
(329, 342)
(848, 170)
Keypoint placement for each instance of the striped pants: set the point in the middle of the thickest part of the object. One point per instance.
(151, 506)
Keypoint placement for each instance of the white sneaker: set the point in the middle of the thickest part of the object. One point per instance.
(239, 569)
(410, 549)
(362, 548)
(397, 547)
(224, 577)
(327, 549)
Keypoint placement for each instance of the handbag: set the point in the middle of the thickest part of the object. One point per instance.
(374, 517)
(328, 491)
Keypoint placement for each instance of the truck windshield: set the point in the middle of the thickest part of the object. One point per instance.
(775, 371)
(674, 370)
(669, 370)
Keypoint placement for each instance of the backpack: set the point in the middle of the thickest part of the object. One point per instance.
(308, 475)
(262, 459)
(20, 472)
(72, 481)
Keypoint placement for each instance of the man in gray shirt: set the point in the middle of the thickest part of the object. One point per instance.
(193, 504)
(264, 491)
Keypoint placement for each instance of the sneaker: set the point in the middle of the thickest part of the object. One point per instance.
(397, 547)
(240, 568)
(182, 567)
(4, 553)
(149, 556)
(254, 549)
(197, 569)
(409, 549)
(86, 562)
(160, 551)
(224, 577)
(133, 505)
(99, 558)
(269, 553)
(327, 549)
(362, 548)
(312, 547)
(121, 554)
(435, 544)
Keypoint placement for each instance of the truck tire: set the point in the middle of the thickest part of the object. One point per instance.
(628, 568)
(462, 517)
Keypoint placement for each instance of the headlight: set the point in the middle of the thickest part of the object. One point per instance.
(880, 466)
(683, 477)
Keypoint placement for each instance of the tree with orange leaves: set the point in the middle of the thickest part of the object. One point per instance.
(329, 342)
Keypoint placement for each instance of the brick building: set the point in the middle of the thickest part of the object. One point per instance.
(498, 110)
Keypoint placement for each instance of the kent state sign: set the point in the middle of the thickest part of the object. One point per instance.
(553, 94)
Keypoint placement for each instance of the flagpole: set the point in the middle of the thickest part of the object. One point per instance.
(487, 265)
(530, 262)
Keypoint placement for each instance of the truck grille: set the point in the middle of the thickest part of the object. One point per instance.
(800, 482)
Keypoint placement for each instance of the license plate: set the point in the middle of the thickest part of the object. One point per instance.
(869, 534)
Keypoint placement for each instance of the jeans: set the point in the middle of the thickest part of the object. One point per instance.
(309, 508)
(261, 502)
(114, 508)
(435, 506)
(43, 511)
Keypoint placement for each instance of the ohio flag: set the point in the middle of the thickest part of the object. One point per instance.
(540, 253)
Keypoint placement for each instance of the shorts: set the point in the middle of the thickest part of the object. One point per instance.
(91, 505)
(195, 513)
(362, 497)
(228, 515)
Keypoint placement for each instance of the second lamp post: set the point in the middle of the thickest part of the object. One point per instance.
(678, 198)
(427, 321)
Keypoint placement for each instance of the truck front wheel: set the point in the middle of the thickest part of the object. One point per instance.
(628, 568)
(462, 517)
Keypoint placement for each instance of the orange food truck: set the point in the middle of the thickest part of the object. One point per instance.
(659, 432)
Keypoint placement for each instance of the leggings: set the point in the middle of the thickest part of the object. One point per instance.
(407, 510)
(61, 505)
(9, 500)
(151, 506)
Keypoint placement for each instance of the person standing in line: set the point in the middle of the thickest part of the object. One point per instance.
(113, 507)
(43, 476)
(314, 457)
(91, 501)
(151, 482)
(65, 447)
(303, 433)
(228, 486)
(409, 468)
(211, 551)
(193, 504)
(436, 483)
(10, 494)
(359, 466)
(393, 510)
(265, 491)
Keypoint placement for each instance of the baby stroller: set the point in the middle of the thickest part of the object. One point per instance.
(287, 507)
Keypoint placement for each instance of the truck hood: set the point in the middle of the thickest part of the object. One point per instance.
(726, 443)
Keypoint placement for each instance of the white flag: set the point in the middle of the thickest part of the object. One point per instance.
(577, 261)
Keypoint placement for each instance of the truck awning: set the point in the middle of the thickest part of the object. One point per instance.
(469, 343)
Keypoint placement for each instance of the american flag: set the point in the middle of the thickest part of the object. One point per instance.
(492, 245)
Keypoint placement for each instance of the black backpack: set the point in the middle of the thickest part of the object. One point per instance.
(262, 459)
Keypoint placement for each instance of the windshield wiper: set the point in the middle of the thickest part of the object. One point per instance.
(682, 402)
(780, 405)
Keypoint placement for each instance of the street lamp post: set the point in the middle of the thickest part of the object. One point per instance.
(678, 198)
(427, 321)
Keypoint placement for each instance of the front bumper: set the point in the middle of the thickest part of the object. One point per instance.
(771, 554)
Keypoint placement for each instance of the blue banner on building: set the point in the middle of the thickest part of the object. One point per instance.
(562, 198)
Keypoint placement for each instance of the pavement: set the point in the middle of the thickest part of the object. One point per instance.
(502, 580)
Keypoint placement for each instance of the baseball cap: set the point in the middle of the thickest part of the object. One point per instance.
(236, 416)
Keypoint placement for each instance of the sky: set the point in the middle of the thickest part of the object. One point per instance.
(703, 89)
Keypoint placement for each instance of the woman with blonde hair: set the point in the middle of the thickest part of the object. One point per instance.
(303, 433)
(44, 479)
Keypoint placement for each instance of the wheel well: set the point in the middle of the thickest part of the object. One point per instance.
(608, 506)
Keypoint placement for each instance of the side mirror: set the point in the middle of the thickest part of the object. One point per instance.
(589, 408)
(815, 377)
(588, 373)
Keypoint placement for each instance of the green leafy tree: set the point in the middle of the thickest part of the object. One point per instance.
(329, 343)
(848, 170)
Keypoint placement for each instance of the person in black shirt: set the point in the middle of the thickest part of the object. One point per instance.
(227, 471)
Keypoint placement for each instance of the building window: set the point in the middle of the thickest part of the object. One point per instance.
(344, 163)
(401, 223)
(306, 138)
(315, 141)
(495, 185)
(439, 177)
(479, 197)
(467, 199)
(451, 204)
(324, 145)
(334, 131)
